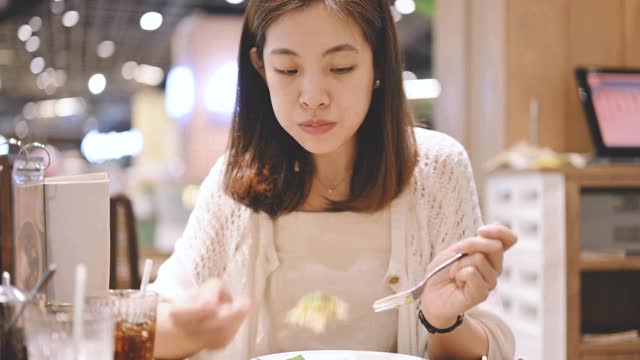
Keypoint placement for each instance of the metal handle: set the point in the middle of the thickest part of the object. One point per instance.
(25, 150)
(42, 282)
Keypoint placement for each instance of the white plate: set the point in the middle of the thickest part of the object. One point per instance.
(338, 355)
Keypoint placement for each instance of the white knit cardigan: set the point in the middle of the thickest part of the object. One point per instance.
(227, 240)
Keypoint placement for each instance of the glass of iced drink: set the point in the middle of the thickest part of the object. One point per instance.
(135, 316)
(49, 334)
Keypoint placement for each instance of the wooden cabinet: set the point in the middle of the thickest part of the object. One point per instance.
(549, 289)
(531, 292)
(493, 57)
(620, 272)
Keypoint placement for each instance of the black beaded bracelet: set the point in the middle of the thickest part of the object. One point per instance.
(434, 330)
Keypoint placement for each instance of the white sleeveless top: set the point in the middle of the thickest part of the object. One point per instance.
(227, 240)
(341, 254)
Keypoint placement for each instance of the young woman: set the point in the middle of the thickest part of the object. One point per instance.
(328, 187)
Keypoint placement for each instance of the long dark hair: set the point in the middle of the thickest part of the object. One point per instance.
(267, 170)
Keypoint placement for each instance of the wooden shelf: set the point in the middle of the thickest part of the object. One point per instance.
(614, 347)
(631, 263)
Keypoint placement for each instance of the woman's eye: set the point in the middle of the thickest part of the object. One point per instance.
(287, 71)
(342, 70)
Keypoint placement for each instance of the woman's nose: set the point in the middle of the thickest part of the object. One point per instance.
(314, 95)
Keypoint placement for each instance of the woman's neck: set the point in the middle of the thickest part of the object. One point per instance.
(332, 178)
(333, 168)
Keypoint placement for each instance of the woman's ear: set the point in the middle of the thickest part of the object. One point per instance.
(257, 63)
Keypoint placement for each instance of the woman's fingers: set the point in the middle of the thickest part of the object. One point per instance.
(221, 330)
(491, 248)
(480, 262)
(475, 289)
(201, 304)
(499, 232)
(232, 313)
(185, 315)
(223, 294)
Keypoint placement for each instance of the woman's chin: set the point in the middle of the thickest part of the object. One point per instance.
(324, 145)
(319, 149)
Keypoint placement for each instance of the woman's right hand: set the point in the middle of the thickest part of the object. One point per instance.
(208, 316)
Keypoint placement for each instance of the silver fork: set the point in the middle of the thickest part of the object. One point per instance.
(408, 296)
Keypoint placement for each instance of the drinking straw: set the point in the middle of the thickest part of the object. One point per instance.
(78, 308)
(145, 275)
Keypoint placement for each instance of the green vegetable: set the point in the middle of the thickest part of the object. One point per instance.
(299, 357)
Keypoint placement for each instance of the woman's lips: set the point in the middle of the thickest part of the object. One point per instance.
(317, 127)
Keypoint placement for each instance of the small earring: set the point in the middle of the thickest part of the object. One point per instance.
(296, 166)
(377, 84)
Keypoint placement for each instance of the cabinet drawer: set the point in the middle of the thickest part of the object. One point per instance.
(520, 191)
(529, 194)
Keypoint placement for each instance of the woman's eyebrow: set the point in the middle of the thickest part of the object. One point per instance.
(332, 50)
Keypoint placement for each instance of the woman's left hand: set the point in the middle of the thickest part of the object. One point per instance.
(467, 282)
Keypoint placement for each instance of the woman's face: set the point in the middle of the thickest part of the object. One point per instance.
(319, 70)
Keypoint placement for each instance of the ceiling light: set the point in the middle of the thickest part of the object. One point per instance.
(106, 49)
(60, 78)
(70, 18)
(151, 21)
(51, 73)
(4, 148)
(408, 75)
(150, 75)
(47, 109)
(49, 90)
(37, 65)
(54, 108)
(397, 16)
(35, 23)
(220, 94)
(24, 32)
(21, 129)
(99, 147)
(129, 70)
(70, 107)
(97, 83)
(43, 80)
(405, 7)
(235, 1)
(180, 95)
(30, 111)
(422, 89)
(33, 44)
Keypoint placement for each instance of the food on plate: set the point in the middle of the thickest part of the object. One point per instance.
(299, 357)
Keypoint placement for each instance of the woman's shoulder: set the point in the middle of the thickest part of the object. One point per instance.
(435, 146)
(215, 178)
(212, 187)
(443, 163)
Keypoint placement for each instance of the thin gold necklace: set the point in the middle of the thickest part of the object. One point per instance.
(330, 190)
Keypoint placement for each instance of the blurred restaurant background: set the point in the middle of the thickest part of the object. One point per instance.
(144, 90)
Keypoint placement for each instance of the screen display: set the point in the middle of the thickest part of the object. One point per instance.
(616, 100)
